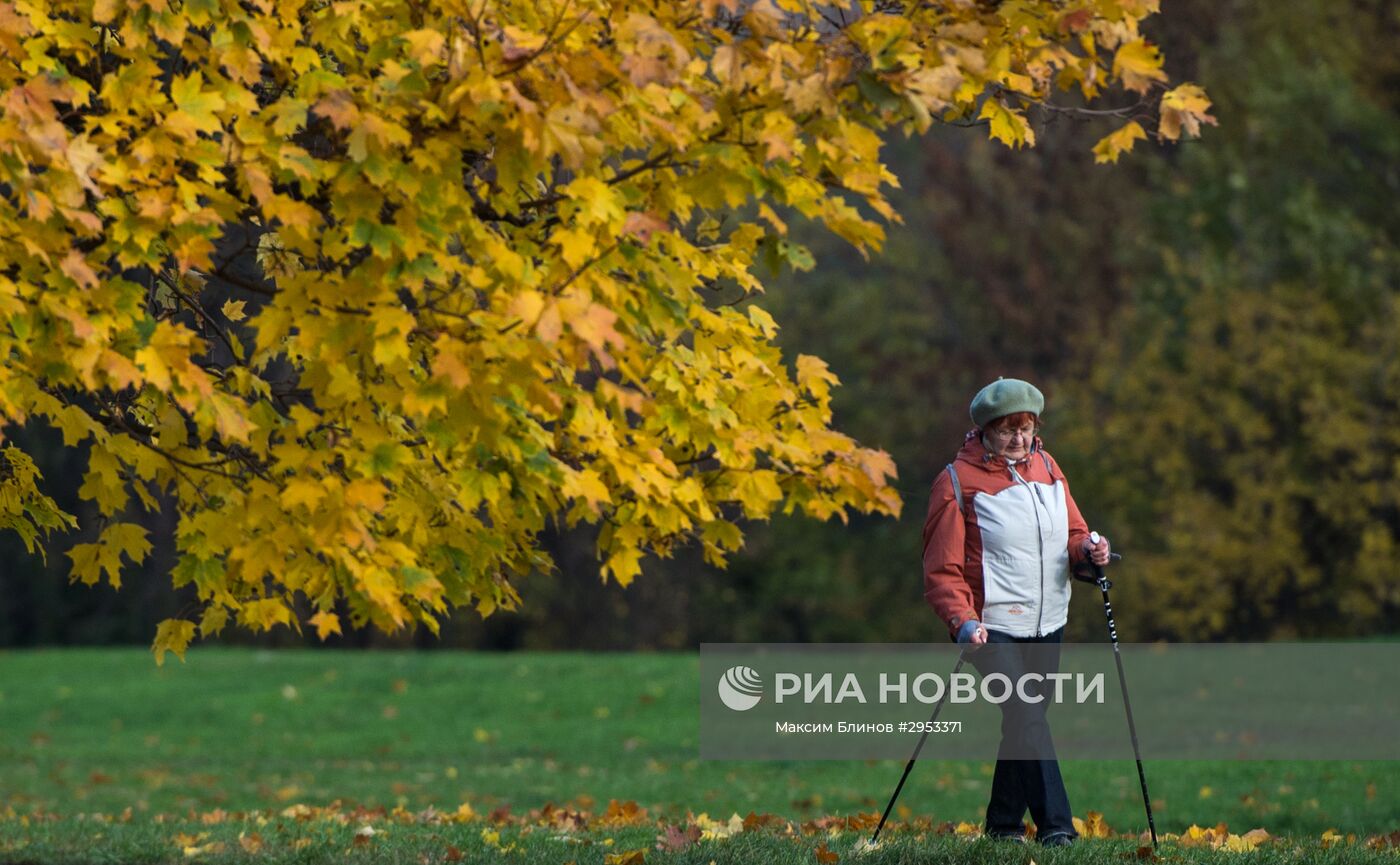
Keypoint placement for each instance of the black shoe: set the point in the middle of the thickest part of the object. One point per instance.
(1015, 837)
(1057, 839)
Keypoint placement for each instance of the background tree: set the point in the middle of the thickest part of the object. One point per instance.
(1238, 420)
(375, 291)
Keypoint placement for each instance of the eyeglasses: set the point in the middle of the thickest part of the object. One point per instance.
(1027, 431)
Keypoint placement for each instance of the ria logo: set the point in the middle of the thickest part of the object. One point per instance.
(740, 688)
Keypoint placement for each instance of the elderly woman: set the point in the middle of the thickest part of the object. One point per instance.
(1001, 535)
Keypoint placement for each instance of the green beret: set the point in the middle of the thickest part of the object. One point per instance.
(1003, 397)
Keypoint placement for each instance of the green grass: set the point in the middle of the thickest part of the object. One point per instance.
(87, 733)
(335, 844)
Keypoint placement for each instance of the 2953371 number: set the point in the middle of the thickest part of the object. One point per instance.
(933, 726)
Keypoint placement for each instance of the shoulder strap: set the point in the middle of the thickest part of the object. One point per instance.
(1046, 457)
(957, 487)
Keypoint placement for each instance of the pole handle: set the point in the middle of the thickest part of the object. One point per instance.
(1100, 579)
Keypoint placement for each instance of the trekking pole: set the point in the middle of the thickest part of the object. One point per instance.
(1104, 585)
(915, 756)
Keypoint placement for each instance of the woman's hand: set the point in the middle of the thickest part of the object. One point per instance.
(1097, 554)
(972, 632)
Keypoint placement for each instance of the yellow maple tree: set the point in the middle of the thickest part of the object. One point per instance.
(374, 290)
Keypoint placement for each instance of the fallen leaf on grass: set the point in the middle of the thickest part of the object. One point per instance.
(1331, 837)
(627, 857)
(861, 822)
(948, 827)
(833, 823)
(492, 838)
(712, 829)
(1382, 842)
(452, 854)
(754, 821)
(825, 856)
(560, 818)
(1252, 838)
(1219, 838)
(627, 813)
(1195, 836)
(1092, 826)
(675, 839)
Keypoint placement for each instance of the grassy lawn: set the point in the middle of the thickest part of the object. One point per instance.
(240, 754)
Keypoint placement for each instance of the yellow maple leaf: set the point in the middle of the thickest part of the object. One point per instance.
(425, 46)
(587, 485)
(172, 635)
(229, 417)
(1183, 110)
(1009, 127)
(261, 615)
(197, 106)
(576, 246)
(528, 305)
(233, 310)
(1118, 142)
(624, 565)
(1138, 64)
(326, 624)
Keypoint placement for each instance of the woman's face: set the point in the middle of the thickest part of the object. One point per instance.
(1012, 441)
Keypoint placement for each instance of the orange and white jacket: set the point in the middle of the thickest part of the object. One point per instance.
(1004, 557)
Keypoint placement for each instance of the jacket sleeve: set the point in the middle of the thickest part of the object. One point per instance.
(945, 535)
(1078, 529)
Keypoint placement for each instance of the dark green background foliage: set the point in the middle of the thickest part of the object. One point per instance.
(1214, 325)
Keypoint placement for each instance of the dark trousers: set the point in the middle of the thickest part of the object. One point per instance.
(1021, 784)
